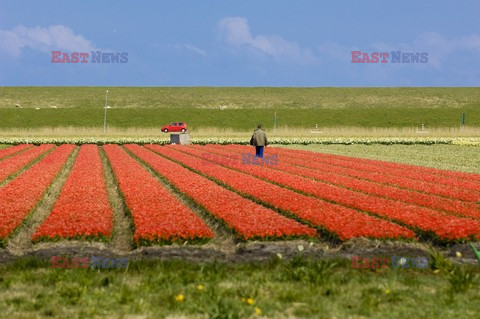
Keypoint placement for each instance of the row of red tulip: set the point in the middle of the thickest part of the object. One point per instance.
(21, 195)
(428, 220)
(13, 150)
(433, 173)
(11, 165)
(344, 222)
(82, 208)
(157, 214)
(246, 218)
(409, 177)
(334, 175)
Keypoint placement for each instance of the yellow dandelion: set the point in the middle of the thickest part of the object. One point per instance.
(458, 254)
(200, 287)
(250, 301)
(436, 271)
(179, 298)
(258, 311)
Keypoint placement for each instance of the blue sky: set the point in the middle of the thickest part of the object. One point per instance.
(240, 43)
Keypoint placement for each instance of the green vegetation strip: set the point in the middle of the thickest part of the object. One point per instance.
(300, 288)
(239, 119)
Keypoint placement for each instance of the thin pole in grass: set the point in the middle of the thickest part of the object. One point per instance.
(105, 116)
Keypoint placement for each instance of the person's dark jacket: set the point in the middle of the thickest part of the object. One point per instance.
(260, 138)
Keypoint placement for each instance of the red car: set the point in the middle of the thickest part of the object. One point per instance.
(175, 127)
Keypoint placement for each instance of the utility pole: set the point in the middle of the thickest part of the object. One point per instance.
(105, 116)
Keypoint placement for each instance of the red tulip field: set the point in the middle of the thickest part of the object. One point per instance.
(190, 194)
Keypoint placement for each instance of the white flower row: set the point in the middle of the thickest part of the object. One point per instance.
(474, 141)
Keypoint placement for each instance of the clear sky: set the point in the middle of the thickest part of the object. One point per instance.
(240, 43)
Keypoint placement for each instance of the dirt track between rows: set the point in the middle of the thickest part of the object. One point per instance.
(241, 252)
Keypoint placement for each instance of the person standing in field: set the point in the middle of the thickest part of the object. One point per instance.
(259, 140)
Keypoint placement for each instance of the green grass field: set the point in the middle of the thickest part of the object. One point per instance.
(298, 288)
(239, 108)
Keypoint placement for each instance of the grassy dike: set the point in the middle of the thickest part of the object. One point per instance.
(238, 108)
(278, 288)
(238, 119)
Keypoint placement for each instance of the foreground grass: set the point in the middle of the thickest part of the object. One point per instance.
(300, 287)
(238, 108)
(453, 157)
